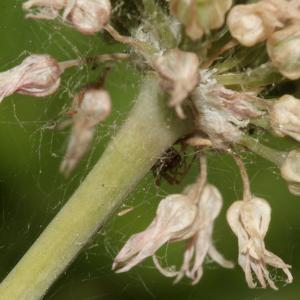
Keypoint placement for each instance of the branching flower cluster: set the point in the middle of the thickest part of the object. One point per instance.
(208, 77)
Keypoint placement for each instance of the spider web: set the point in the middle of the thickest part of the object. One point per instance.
(33, 190)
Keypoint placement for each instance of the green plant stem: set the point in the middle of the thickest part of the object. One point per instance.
(150, 129)
(275, 156)
(256, 78)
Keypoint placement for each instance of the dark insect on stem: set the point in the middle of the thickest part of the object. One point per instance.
(172, 166)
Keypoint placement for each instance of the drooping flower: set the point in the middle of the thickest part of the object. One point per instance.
(174, 221)
(179, 71)
(201, 245)
(92, 106)
(37, 75)
(249, 220)
(285, 117)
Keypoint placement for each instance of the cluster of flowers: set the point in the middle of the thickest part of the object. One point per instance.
(190, 217)
(220, 116)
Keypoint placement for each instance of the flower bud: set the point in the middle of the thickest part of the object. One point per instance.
(37, 75)
(200, 17)
(251, 24)
(174, 221)
(284, 50)
(179, 71)
(89, 17)
(290, 171)
(285, 117)
(249, 220)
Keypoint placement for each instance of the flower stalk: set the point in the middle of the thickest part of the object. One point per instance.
(149, 130)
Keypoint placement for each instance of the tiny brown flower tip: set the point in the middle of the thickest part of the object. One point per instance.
(179, 72)
(249, 220)
(174, 220)
(284, 50)
(290, 171)
(285, 117)
(92, 106)
(37, 75)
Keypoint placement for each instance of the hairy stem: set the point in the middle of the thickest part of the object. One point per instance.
(150, 128)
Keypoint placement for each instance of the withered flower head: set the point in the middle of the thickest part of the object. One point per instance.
(285, 117)
(174, 221)
(249, 220)
(179, 71)
(37, 75)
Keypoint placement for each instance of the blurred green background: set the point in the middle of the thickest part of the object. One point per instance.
(32, 191)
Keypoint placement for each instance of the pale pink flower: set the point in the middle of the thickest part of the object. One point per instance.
(92, 106)
(37, 75)
(87, 16)
(285, 117)
(249, 220)
(201, 245)
(174, 221)
(179, 71)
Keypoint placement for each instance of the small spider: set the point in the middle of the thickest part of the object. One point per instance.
(171, 166)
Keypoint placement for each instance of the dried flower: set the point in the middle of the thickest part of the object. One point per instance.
(222, 112)
(284, 50)
(92, 106)
(174, 221)
(254, 23)
(37, 75)
(249, 220)
(200, 244)
(290, 171)
(179, 72)
(285, 117)
(200, 17)
(87, 16)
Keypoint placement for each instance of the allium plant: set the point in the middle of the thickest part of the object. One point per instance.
(206, 68)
